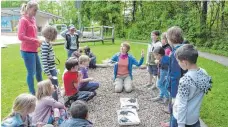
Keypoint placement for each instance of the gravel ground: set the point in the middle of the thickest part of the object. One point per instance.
(103, 108)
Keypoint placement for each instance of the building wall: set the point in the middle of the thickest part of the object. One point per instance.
(9, 23)
(41, 22)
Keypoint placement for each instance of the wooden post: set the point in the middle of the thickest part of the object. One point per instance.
(102, 34)
(113, 29)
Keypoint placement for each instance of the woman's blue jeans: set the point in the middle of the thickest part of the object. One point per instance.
(33, 66)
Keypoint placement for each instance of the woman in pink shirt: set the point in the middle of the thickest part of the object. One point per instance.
(27, 33)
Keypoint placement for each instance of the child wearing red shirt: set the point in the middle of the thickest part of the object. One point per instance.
(71, 80)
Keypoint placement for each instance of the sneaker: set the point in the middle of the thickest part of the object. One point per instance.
(148, 85)
(164, 124)
(156, 99)
(166, 101)
(153, 87)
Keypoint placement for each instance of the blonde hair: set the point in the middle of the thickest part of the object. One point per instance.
(163, 36)
(83, 58)
(175, 35)
(23, 102)
(127, 45)
(44, 89)
(25, 7)
(49, 33)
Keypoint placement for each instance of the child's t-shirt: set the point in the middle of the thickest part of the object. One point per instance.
(69, 79)
(84, 72)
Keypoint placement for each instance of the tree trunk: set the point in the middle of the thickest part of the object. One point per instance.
(133, 11)
(222, 15)
(203, 21)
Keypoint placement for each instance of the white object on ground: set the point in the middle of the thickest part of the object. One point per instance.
(129, 103)
(128, 116)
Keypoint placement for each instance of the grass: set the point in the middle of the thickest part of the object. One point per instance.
(213, 111)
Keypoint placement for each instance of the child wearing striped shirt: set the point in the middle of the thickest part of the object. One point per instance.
(48, 56)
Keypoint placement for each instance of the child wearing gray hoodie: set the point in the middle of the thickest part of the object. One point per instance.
(192, 87)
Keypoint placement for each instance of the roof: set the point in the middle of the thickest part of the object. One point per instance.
(16, 12)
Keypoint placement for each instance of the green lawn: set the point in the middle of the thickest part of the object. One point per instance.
(213, 112)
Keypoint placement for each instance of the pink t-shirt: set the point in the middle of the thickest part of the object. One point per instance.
(122, 67)
(27, 33)
(167, 51)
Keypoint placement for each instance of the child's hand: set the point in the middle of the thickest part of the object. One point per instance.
(157, 61)
(142, 53)
(90, 79)
(50, 76)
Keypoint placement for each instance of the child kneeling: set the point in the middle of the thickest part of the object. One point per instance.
(71, 80)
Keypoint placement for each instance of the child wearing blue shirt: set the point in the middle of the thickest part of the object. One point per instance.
(163, 62)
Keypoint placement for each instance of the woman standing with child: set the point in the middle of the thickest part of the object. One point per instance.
(27, 34)
(123, 68)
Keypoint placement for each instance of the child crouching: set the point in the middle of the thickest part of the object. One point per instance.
(48, 110)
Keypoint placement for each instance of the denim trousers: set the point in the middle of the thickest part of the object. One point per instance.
(162, 84)
(90, 86)
(69, 52)
(33, 66)
(55, 83)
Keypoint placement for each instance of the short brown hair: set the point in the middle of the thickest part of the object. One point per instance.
(127, 45)
(71, 62)
(156, 32)
(175, 35)
(49, 33)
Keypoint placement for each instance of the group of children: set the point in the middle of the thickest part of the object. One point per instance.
(44, 108)
(172, 65)
(166, 60)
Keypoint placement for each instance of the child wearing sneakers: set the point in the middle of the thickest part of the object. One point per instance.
(86, 83)
(192, 88)
(151, 65)
(163, 62)
(71, 81)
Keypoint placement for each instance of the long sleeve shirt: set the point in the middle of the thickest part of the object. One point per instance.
(47, 58)
(27, 34)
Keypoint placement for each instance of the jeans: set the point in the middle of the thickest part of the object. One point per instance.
(162, 84)
(90, 86)
(174, 124)
(70, 51)
(123, 82)
(55, 83)
(33, 66)
(173, 121)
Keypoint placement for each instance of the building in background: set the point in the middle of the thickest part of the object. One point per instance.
(11, 16)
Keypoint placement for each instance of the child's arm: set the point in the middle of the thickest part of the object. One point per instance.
(81, 75)
(147, 55)
(63, 33)
(55, 104)
(181, 102)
